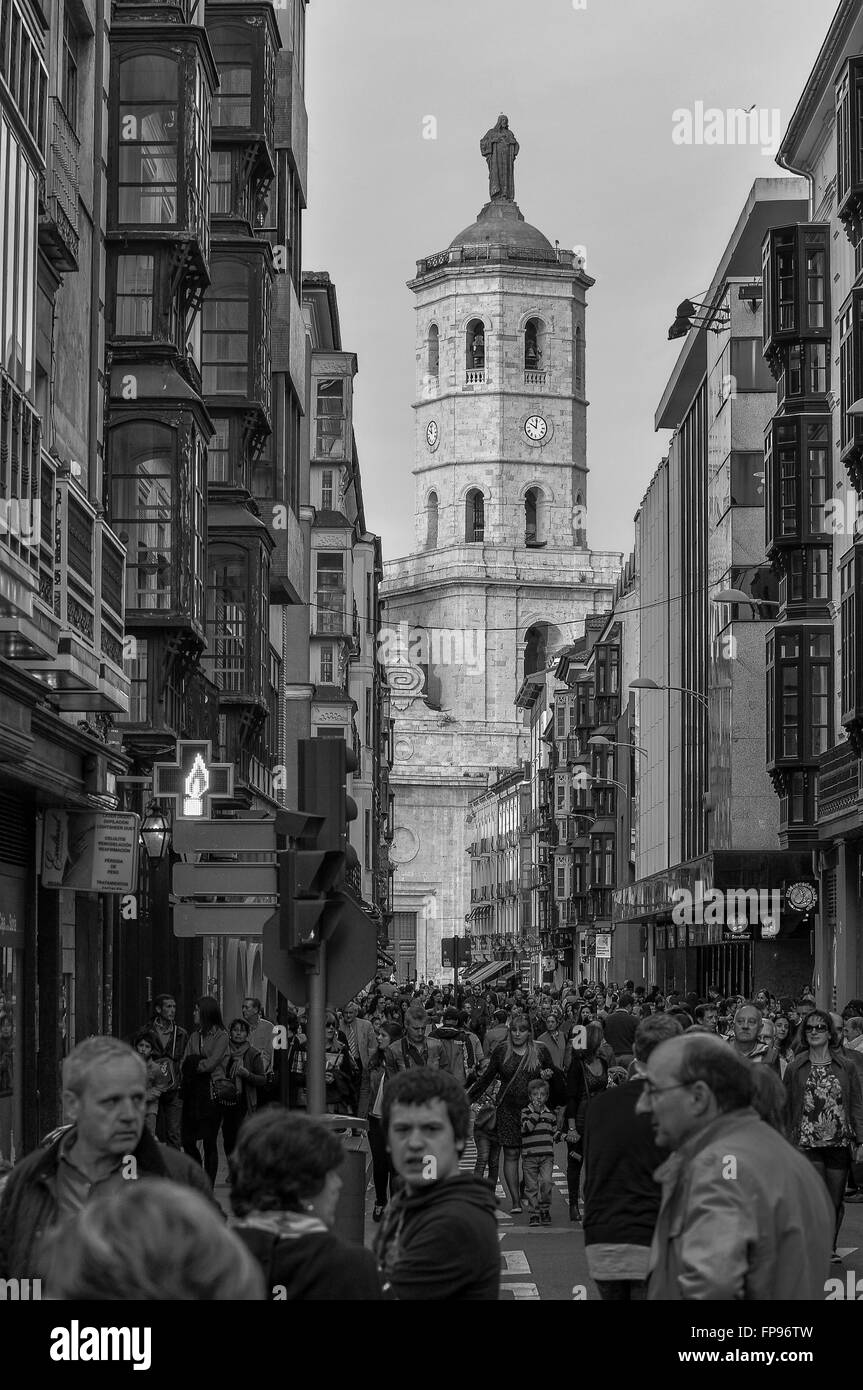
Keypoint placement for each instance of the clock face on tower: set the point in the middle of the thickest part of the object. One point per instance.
(536, 428)
(432, 434)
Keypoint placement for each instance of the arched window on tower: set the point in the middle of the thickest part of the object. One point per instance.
(580, 519)
(579, 360)
(474, 516)
(431, 521)
(434, 351)
(531, 517)
(475, 347)
(535, 648)
(534, 346)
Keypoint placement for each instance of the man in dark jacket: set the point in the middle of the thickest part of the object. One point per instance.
(169, 1046)
(460, 1049)
(104, 1093)
(621, 1198)
(620, 1029)
(438, 1239)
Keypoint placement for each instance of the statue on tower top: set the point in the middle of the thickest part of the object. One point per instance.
(499, 148)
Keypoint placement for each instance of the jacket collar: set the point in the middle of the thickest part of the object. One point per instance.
(147, 1156)
(668, 1170)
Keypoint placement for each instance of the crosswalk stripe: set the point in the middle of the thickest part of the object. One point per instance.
(520, 1291)
(516, 1262)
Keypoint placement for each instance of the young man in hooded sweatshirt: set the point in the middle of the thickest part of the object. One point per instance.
(438, 1239)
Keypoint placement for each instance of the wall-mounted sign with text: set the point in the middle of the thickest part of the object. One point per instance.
(96, 851)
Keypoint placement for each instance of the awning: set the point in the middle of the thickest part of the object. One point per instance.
(485, 972)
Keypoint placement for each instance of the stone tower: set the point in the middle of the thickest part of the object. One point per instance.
(501, 576)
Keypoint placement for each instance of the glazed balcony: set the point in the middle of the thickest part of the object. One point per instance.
(29, 629)
(86, 674)
(58, 201)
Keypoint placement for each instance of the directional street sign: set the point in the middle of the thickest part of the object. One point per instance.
(190, 880)
(224, 836)
(221, 919)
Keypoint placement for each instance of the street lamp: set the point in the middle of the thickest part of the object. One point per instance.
(738, 596)
(600, 741)
(647, 683)
(154, 833)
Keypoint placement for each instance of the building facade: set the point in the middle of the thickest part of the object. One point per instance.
(502, 576)
(706, 821)
(813, 317)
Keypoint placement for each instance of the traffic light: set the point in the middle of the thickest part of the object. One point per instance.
(312, 873)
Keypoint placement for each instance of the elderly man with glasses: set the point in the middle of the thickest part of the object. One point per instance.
(723, 1231)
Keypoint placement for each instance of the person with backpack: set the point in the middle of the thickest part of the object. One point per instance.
(461, 1050)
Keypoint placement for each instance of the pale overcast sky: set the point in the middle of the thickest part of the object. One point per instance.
(589, 93)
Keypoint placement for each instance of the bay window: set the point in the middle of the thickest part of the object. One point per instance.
(799, 724)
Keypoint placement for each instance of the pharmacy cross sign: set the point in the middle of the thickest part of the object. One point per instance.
(194, 781)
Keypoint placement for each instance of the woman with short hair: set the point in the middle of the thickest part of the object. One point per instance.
(285, 1187)
(154, 1241)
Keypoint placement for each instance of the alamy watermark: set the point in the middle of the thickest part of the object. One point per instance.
(405, 645)
(735, 908)
(700, 125)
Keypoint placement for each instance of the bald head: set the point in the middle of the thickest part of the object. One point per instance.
(690, 1081)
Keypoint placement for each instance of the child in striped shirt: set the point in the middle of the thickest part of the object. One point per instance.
(538, 1126)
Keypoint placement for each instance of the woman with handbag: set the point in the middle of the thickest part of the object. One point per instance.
(514, 1062)
(204, 1080)
(587, 1074)
(246, 1070)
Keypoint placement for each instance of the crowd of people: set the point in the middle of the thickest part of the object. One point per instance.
(689, 1127)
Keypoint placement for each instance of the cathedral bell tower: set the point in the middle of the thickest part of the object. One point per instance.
(501, 577)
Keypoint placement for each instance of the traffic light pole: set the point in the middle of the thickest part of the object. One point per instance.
(316, 1090)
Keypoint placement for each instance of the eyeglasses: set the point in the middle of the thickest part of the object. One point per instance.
(652, 1091)
(816, 1028)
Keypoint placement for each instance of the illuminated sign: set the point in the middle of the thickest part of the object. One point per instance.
(194, 781)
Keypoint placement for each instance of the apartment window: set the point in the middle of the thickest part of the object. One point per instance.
(560, 717)
(799, 664)
(368, 718)
(327, 489)
(327, 650)
(143, 465)
(748, 368)
(849, 137)
(148, 144)
(225, 337)
(370, 607)
(227, 617)
(560, 886)
(807, 576)
(330, 438)
(24, 71)
(219, 452)
(232, 104)
(133, 314)
(560, 794)
(367, 839)
(221, 183)
(135, 667)
(579, 360)
(330, 597)
(69, 71)
(18, 233)
(851, 369)
(851, 574)
(816, 287)
(797, 475)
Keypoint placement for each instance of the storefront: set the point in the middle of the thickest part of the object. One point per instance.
(726, 920)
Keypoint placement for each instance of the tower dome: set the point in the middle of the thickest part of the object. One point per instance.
(501, 226)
